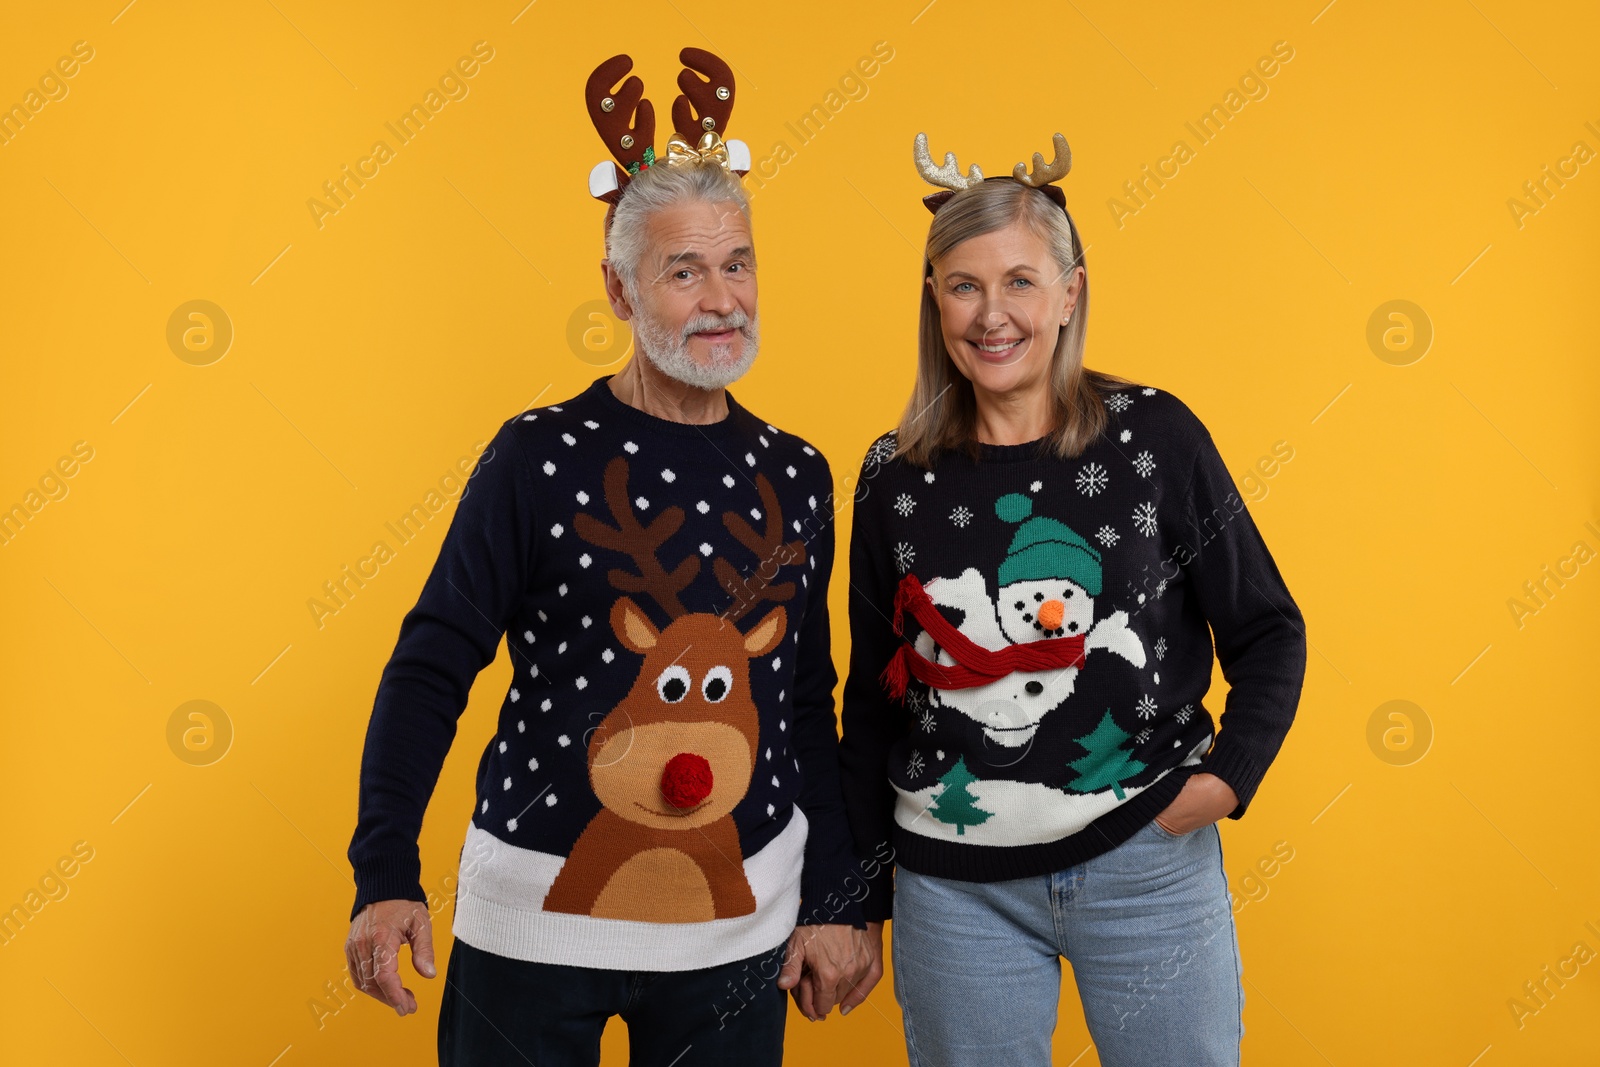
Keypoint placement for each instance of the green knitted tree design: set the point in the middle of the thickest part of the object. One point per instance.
(1106, 764)
(955, 804)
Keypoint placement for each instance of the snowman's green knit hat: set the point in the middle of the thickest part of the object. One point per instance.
(1045, 548)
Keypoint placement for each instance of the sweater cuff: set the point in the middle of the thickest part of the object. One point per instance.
(391, 877)
(1235, 767)
(831, 896)
(878, 905)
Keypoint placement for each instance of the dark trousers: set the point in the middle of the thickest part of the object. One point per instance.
(503, 1011)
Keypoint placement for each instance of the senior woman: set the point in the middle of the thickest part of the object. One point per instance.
(1040, 556)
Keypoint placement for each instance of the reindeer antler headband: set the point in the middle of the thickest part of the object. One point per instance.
(626, 121)
(951, 181)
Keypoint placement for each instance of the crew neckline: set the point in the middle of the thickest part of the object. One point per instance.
(601, 391)
(1035, 449)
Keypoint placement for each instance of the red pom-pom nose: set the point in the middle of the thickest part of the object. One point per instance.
(686, 781)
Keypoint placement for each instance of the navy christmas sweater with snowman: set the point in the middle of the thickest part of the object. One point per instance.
(662, 791)
(1032, 643)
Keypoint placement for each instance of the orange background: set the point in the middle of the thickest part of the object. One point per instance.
(1440, 860)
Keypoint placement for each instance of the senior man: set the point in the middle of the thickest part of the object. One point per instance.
(658, 831)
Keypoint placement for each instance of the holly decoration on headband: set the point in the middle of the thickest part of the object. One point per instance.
(644, 163)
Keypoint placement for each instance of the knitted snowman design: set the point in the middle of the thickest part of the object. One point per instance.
(1045, 590)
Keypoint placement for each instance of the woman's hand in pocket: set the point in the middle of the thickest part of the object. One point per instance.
(1204, 798)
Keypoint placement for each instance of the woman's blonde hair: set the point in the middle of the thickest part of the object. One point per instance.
(942, 411)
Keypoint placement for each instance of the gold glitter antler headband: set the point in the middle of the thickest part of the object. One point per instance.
(626, 121)
(951, 181)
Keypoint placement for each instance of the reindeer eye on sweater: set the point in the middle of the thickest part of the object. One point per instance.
(718, 681)
(673, 684)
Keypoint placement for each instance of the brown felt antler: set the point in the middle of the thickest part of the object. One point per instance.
(625, 120)
(770, 551)
(706, 104)
(640, 541)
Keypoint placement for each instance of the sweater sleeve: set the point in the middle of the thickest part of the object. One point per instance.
(827, 893)
(1258, 628)
(451, 634)
(872, 722)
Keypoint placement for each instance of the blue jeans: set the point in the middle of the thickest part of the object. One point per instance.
(1147, 926)
(503, 1011)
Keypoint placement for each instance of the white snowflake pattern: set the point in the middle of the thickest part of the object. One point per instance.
(1119, 402)
(1144, 517)
(926, 721)
(1144, 463)
(1147, 391)
(1161, 648)
(904, 556)
(904, 504)
(961, 516)
(1091, 479)
(1125, 436)
(1184, 713)
(1146, 707)
(1142, 736)
(1106, 536)
(881, 449)
(914, 765)
(1161, 587)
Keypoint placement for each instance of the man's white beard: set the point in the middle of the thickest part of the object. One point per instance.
(668, 350)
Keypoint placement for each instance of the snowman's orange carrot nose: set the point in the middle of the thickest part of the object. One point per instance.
(1050, 613)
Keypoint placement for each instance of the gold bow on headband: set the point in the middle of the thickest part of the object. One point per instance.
(712, 149)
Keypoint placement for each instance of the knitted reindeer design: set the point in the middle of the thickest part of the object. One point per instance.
(672, 760)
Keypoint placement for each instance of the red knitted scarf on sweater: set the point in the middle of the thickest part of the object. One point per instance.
(975, 665)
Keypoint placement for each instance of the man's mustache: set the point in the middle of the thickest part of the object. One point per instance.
(706, 323)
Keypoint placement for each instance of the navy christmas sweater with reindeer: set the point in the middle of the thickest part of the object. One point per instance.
(1031, 646)
(662, 791)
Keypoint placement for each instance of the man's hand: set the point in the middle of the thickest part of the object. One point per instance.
(1204, 798)
(832, 964)
(372, 952)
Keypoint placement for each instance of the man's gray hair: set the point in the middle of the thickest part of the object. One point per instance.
(657, 187)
